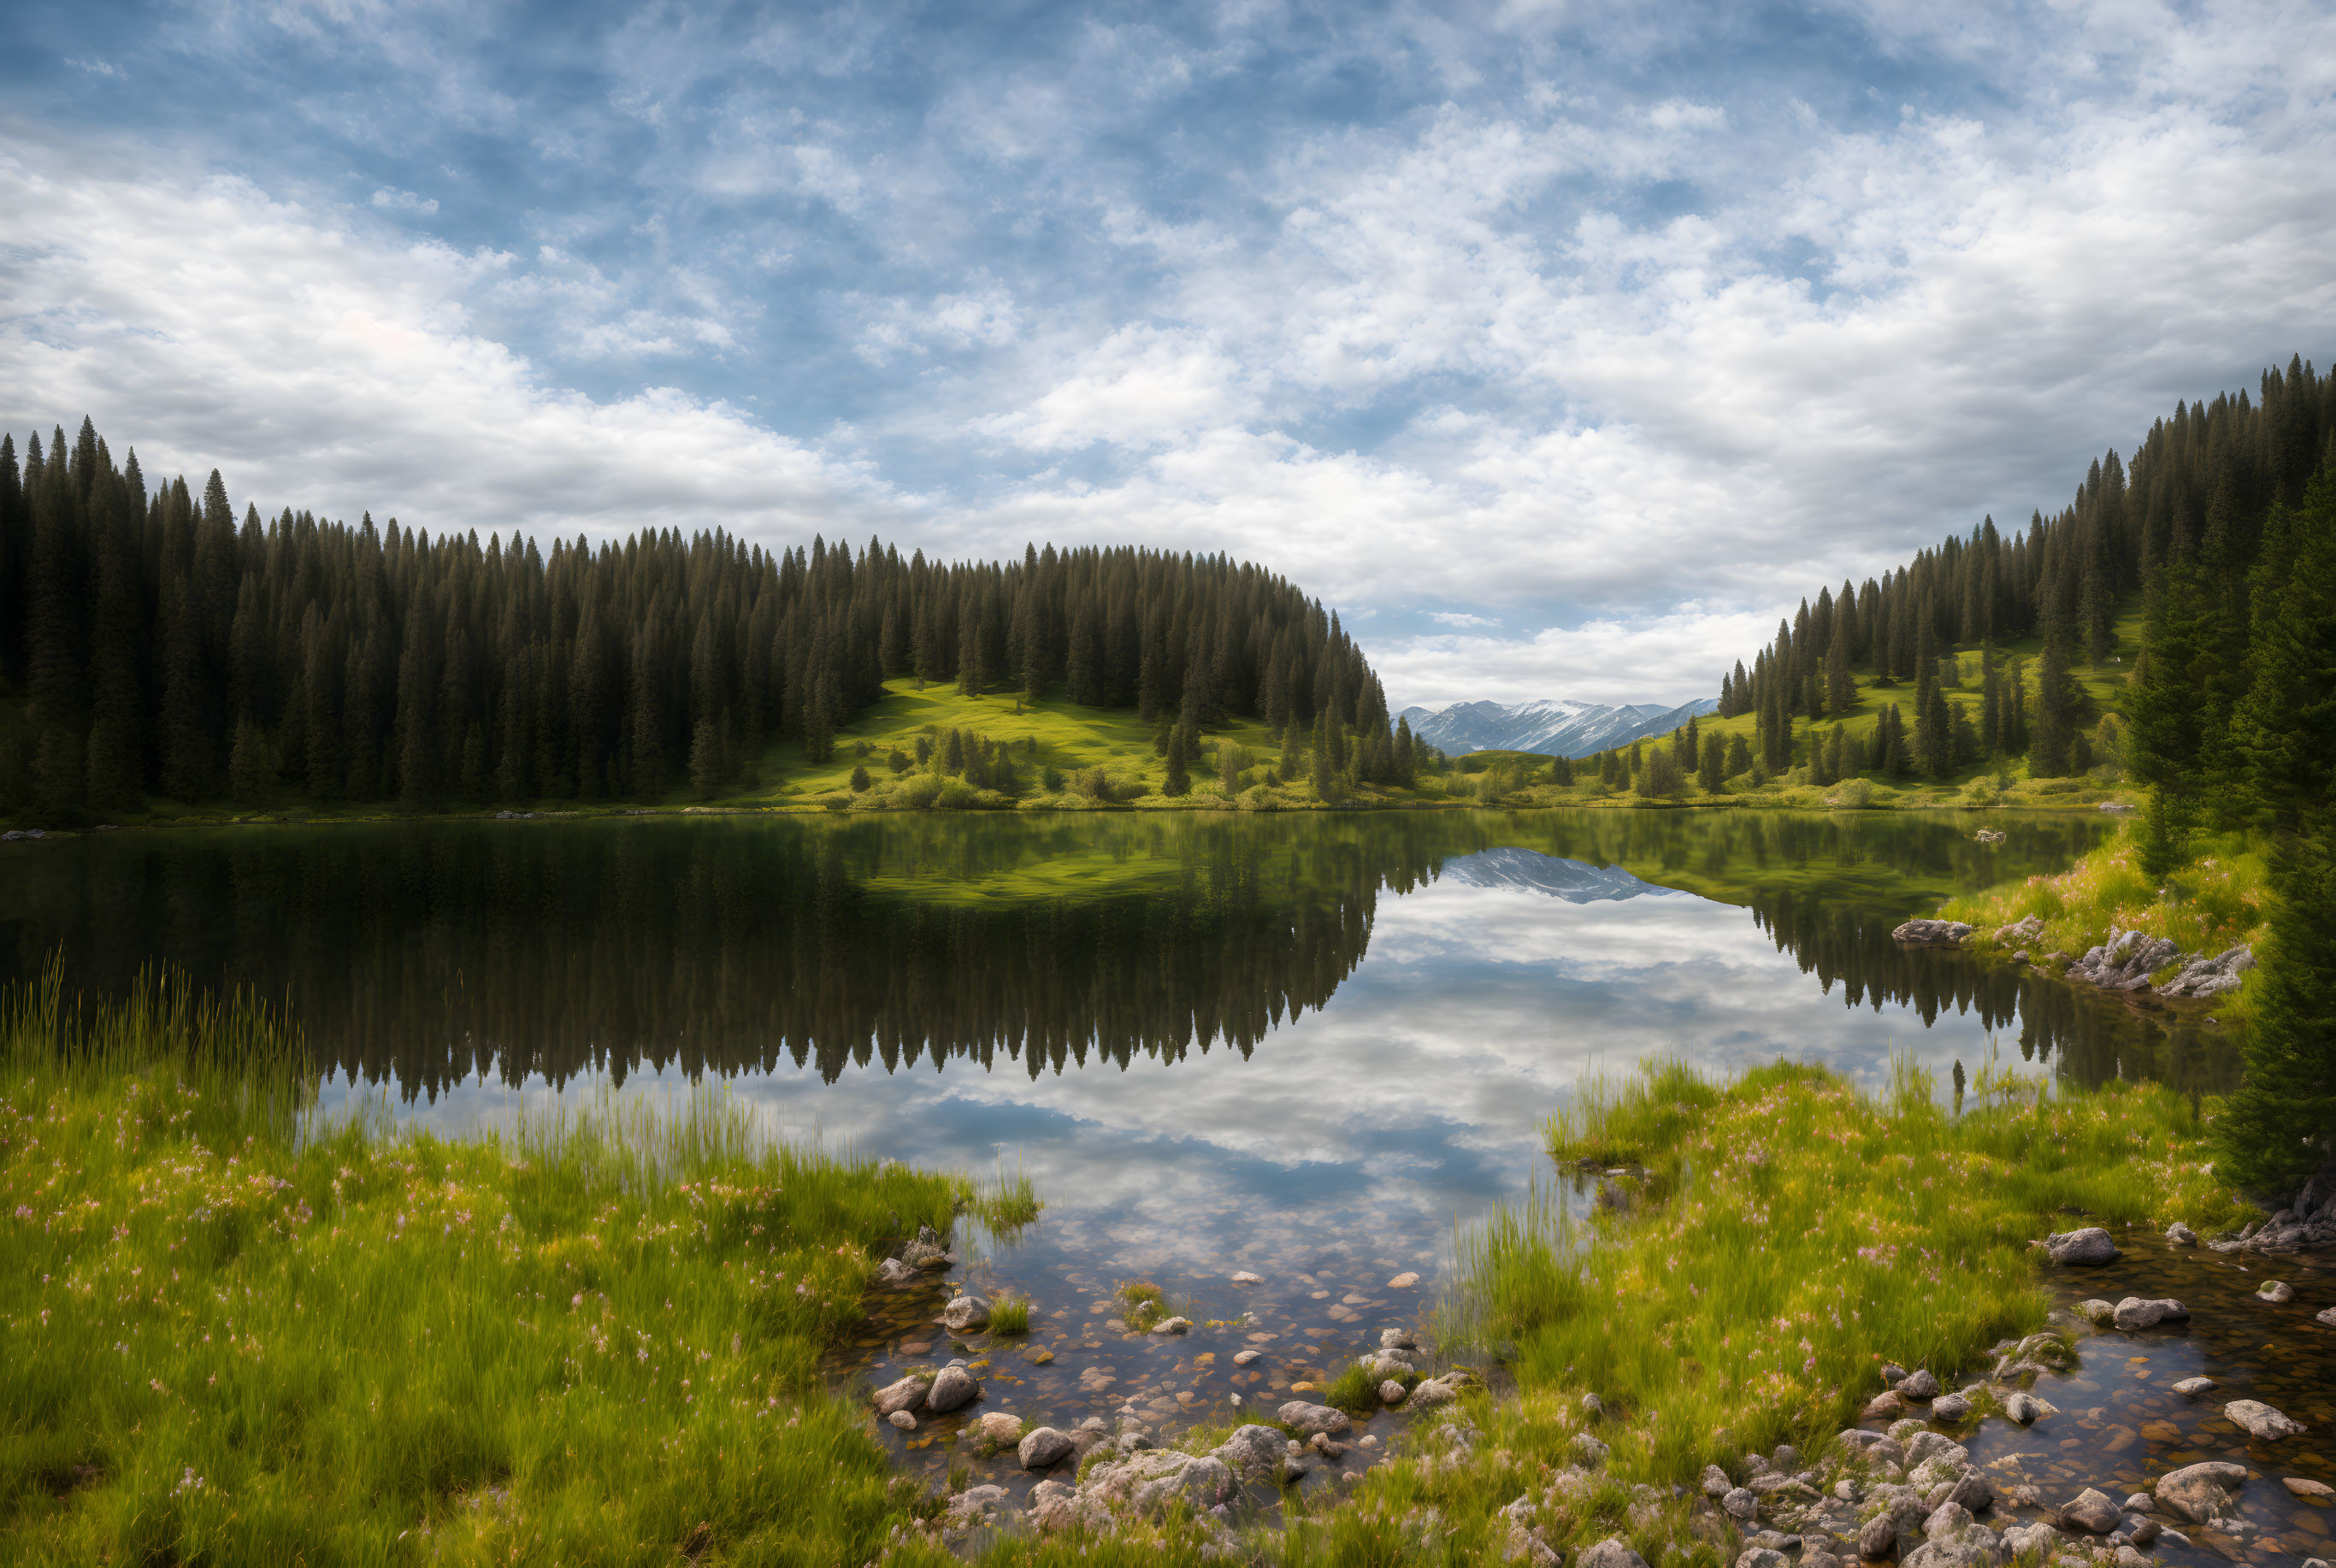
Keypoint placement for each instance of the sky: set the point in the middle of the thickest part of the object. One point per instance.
(1560, 348)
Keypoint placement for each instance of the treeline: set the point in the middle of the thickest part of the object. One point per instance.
(2200, 486)
(162, 648)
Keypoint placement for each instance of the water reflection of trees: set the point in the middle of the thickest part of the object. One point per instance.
(431, 953)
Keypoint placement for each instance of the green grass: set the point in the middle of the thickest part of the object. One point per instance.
(1146, 1305)
(231, 1331)
(1009, 1315)
(2219, 898)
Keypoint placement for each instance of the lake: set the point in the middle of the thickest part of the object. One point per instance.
(1306, 1045)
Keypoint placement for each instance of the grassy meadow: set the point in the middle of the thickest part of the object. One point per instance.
(233, 1332)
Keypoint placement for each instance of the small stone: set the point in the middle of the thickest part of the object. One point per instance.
(2261, 1421)
(2304, 1486)
(2181, 1235)
(905, 1395)
(1312, 1420)
(1592, 1406)
(1881, 1407)
(1761, 1557)
(2083, 1248)
(1931, 933)
(1950, 1407)
(2091, 1512)
(903, 1420)
(2194, 1386)
(1243, 1358)
(1402, 1281)
(1715, 1482)
(1174, 1325)
(2097, 1310)
(1399, 1340)
(2139, 1503)
(998, 1428)
(1878, 1538)
(2025, 1408)
(2278, 1292)
(1740, 1502)
(1042, 1446)
(2326, 1315)
(1918, 1385)
(1393, 1393)
(1610, 1553)
(1037, 1355)
(964, 1314)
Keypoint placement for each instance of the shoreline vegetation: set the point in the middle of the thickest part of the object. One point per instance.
(240, 1329)
(232, 1331)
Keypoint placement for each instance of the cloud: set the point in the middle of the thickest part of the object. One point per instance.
(1669, 658)
(404, 201)
(1461, 618)
(320, 368)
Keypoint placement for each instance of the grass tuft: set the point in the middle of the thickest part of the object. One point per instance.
(1010, 1315)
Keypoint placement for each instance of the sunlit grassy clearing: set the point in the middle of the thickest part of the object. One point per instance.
(229, 1332)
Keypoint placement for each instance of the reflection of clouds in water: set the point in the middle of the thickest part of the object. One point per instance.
(1416, 1096)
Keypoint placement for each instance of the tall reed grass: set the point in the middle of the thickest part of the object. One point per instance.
(233, 1331)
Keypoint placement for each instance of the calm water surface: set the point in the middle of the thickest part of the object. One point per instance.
(1302, 1045)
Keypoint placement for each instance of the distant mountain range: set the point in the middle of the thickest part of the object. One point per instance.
(1549, 727)
(1575, 881)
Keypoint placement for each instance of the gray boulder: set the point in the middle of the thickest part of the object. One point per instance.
(2090, 1245)
(1878, 1538)
(924, 1254)
(2191, 1387)
(2210, 977)
(2133, 1313)
(953, 1387)
(1922, 1447)
(1761, 1557)
(1044, 1446)
(1150, 1481)
(1715, 1482)
(1931, 933)
(2181, 1235)
(1610, 1553)
(1250, 1449)
(2021, 931)
(1310, 1419)
(905, 1395)
(1740, 1502)
(1950, 1407)
(1392, 1392)
(2199, 1492)
(1919, 1386)
(964, 1314)
(2261, 1420)
(2278, 1292)
(2025, 1407)
(2091, 1511)
(2125, 961)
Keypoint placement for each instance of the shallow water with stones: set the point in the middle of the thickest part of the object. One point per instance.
(1307, 1046)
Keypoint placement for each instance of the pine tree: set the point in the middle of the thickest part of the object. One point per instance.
(1714, 765)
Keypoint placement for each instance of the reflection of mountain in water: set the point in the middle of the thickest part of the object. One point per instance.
(433, 952)
(1575, 881)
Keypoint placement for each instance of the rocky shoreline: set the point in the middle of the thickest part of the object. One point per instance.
(2123, 963)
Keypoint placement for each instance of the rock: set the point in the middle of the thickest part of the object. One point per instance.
(923, 1255)
(2097, 1310)
(1740, 1502)
(2261, 1421)
(1393, 1393)
(2278, 1292)
(2210, 977)
(1174, 1325)
(1950, 1407)
(2304, 1486)
(2194, 1386)
(1245, 1278)
(892, 1271)
(1313, 1419)
(1918, 1385)
(1592, 1406)
(1761, 1557)
(1243, 1358)
(1881, 1407)
(1715, 1482)
(1588, 1450)
(1402, 1281)
(903, 1420)
(2020, 931)
(1038, 1355)
(2326, 1315)
(998, 1428)
(2092, 1512)
(968, 1506)
(2025, 1408)
(2089, 1246)
(2133, 1313)
(1610, 1553)
(2143, 1530)
(1399, 1340)
(1150, 1480)
(964, 1314)
(1973, 1491)
(952, 1387)
(1878, 1538)
(2035, 1540)
(1044, 1446)
(905, 1395)
(1435, 1391)
(2181, 1235)
(1931, 933)
(1252, 1450)
(2125, 961)
(2199, 1492)
(1922, 1446)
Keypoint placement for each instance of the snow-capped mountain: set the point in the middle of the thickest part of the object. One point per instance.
(1575, 881)
(1551, 727)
